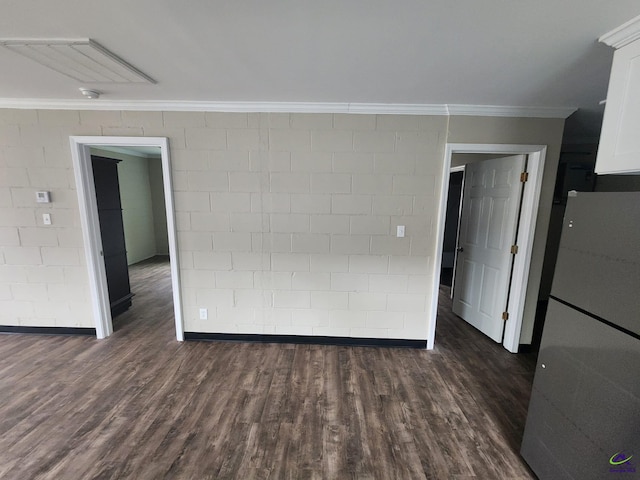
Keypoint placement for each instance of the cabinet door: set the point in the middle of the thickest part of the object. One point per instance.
(105, 175)
(619, 149)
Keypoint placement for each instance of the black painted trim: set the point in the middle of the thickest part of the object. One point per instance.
(305, 339)
(598, 318)
(48, 330)
(526, 348)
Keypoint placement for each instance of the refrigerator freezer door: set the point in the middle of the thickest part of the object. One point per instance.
(585, 403)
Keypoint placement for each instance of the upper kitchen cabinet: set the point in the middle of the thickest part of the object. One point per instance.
(619, 150)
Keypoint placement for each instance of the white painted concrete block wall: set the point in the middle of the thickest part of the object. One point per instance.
(43, 277)
(288, 226)
(282, 219)
(286, 222)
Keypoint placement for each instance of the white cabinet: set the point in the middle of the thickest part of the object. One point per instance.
(619, 149)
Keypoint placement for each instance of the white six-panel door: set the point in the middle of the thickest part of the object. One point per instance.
(488, 222)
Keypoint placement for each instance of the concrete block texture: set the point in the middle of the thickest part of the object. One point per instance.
(285, 222)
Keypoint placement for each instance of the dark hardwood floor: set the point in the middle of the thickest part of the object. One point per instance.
(142, 406)
(152, 298)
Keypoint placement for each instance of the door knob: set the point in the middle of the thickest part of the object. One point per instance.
(459, 249)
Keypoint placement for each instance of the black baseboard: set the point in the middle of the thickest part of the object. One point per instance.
(305, 339)
(48, 330)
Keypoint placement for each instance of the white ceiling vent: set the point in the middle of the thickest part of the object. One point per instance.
(81, 59)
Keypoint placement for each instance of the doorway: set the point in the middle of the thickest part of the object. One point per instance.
(133, 226)
(526, 226)
(452, 217)
(81, 153)
(486, 242)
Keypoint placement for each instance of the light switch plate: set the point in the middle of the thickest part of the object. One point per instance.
(400, 231)
(46, 218)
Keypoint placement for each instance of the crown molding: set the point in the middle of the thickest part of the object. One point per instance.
(288, 107)
(623, 35)
(397, 109)
(508, 111)
(242, 107)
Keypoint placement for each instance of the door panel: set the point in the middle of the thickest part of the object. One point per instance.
(498, 214)
(490, 205)
(488, 289)
(464, 291)
(473, 222)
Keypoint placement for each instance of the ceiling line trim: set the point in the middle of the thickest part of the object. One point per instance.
(289, 107)
(508, 111)
(623, 35)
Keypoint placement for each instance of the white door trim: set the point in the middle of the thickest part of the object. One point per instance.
(530, 203)
(81, 155)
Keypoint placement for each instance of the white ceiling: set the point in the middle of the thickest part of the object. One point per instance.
(493, 52)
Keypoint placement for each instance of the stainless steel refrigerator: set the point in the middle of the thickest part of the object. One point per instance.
(584, 414)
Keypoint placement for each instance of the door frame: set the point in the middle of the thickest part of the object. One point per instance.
(529, 212)
(83, 171)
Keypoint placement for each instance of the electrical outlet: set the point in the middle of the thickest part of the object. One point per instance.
(203, 314)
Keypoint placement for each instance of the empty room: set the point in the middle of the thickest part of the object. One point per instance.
(388, 240)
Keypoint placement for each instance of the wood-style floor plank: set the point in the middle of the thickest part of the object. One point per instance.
(140, 405)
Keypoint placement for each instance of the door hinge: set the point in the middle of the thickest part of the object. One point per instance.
(524, 176)
(514, 249)
(505, 315)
